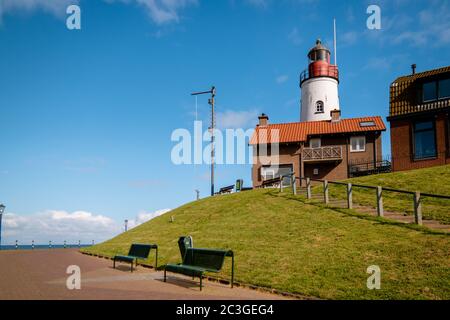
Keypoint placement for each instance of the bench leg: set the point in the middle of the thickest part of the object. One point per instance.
(114, 263)
(201, 277)
(156, 260)
(164, 274)
(132, 266)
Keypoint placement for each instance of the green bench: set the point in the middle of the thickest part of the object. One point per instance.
(137, 251)
(198, 261)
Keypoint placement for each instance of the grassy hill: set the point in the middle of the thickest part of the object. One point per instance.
(435, 180)
(284, 243)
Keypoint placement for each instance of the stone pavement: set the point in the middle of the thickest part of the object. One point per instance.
(41, 275)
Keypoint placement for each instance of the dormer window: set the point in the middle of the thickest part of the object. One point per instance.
(320, 107)
(315, 143)
(436, 90)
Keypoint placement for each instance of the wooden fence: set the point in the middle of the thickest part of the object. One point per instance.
(417, 196)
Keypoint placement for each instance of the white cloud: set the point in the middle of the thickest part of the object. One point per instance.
(59, 226)
(429, 27)
(54, 7)
(161, 11)
(237, 119)
(282, 79)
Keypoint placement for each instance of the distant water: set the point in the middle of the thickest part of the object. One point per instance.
(42, 247)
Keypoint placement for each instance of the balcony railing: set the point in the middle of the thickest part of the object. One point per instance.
(323, 153)
(323, 71)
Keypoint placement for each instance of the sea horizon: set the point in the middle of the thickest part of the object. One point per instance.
(42, 246)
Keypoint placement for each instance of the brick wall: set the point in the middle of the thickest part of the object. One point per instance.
(402, 143)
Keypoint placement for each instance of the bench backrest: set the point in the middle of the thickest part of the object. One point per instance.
(205, 258)
(140, 250)
(184, 243)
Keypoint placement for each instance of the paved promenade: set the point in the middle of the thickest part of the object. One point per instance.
(41, 274)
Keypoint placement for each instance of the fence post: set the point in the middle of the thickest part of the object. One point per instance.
(281, 183)
(17, 246)
(308, 188)
(294, 184)
(417, 208)
(32, 244)
(325, 192)
(349, 196)
(380, 210)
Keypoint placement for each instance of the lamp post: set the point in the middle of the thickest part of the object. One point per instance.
(2, 209)
(126, 225)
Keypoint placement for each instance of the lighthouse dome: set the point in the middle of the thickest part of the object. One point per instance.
(319, 53)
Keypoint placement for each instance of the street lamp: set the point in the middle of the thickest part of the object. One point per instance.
(2, 209)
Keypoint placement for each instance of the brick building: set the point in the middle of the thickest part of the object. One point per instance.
(325, 149)
(321, 145)
(419, 119)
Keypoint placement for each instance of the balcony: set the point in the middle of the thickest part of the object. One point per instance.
(330, 71)
(333, 153)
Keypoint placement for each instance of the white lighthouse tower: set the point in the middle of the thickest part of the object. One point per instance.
(319, 85)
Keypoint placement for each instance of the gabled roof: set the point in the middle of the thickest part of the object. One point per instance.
(299, 131)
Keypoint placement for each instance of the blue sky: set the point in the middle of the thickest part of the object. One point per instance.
(87, 115)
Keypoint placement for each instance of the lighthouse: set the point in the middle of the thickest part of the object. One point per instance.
(319, 86)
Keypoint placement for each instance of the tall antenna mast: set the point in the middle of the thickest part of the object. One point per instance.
(211, 101)
(335, 42)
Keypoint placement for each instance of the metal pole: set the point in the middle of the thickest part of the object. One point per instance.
(2, 209)
(212, 102)
(1, 216)
(213, 94)
(126, 225)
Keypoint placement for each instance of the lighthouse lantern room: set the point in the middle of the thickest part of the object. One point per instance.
(319, 86)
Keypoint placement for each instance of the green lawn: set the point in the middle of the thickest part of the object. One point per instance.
(284, 243)
(435, 180)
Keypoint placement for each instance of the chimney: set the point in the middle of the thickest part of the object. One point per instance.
(335, 115)
(413, 67)
(263, 120)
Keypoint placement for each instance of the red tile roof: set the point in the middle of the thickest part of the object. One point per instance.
(299, 131)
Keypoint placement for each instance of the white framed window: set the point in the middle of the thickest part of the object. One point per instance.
(275, 171)
(315, 143)
(320, 107)
(267, 173)
(358, 144)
